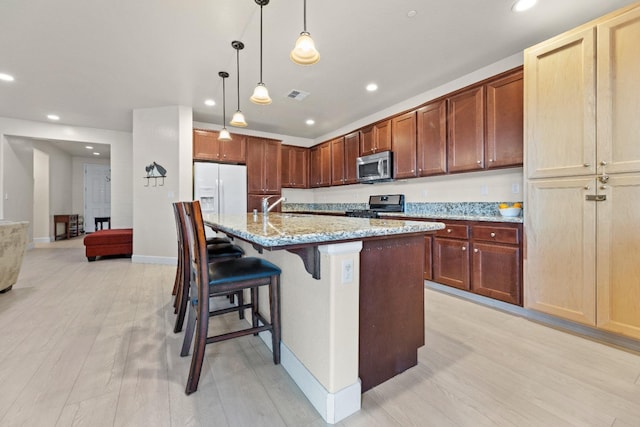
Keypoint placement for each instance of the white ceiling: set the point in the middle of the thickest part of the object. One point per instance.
(93, 62)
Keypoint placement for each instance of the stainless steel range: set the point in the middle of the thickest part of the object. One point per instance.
(378, 204)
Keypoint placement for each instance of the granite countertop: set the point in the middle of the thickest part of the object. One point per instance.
(280, 230)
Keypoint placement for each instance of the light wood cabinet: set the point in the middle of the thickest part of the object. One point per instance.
(375, 138)
(206, 146)
(295, 167)
(432, 138)
(583, 165)
(560, 96)
(403, 144)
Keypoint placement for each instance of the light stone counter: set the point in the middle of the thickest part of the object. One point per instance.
(331, 346)
(281, 230)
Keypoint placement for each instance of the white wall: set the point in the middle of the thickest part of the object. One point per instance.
(121, 160)
(162, 135)
(41, 201)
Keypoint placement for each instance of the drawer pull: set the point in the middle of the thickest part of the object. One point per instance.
(492, 234)
(448, 230)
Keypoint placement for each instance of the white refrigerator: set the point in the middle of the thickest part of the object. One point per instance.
(221, 188)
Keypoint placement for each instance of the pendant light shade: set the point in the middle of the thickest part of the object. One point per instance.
(304, 52)
(224, 133)
(260, 93)
(238, 118)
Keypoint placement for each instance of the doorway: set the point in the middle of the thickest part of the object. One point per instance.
(97, 194)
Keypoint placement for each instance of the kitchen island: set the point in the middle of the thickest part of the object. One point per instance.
(352, 305)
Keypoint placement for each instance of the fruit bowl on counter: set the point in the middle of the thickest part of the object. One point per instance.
(510, 210)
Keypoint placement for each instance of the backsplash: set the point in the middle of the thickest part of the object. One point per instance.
(484, 209)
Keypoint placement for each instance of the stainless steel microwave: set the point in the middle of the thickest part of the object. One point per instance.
(375, 167)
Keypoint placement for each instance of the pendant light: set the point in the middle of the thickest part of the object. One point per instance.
(305, 53)
(224, 133)
(260, 93)
(238, 118)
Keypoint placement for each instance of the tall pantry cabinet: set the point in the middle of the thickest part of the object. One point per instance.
(582, 167)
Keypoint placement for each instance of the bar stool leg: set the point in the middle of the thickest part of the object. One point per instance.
(274, 308)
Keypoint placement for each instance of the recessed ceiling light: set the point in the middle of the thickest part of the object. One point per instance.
(6, 77)
(372, 87)
(210, 102)
(88, 147)
(53, 117)
(522, 5)
(411, 13)
(310, 122)
(96, 153)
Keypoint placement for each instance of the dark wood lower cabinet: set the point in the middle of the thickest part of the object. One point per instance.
(451, 262)
(497, 271)
(391, 307)
(477, 256)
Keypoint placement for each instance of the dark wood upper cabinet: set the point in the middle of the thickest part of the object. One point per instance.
(206, 146)
(263, 166)
(403, 142)
(351, 153)
(295, 167)
(465, 146)
(320, 165)
(432, 139)
(337, 161)
(375, 138)
(505, 115)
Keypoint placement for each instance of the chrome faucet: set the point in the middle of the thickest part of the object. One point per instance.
(265, 204)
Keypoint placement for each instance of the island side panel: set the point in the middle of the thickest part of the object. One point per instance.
(391, 307)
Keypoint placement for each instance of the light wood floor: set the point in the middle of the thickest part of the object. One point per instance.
(91, 344)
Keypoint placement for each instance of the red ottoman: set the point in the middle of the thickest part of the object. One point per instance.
(109, 242)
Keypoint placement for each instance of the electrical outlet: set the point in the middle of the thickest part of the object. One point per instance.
(515, 188)
(347, 270)
(484, 190)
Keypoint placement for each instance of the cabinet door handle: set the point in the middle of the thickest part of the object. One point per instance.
(492, 234)
(479, 161)
(464, 248)
(587, 165)
(491, 160)
(475, 251)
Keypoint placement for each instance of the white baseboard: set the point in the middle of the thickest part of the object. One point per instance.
(144, 259)
(333, 407)
(42, 240)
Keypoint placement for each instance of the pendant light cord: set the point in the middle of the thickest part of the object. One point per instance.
(238, 69)
(224, 117)
(261, 44)
(305, 16)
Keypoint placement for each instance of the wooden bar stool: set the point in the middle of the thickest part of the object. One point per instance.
(100, 220)
(222, 278)
(217, 252)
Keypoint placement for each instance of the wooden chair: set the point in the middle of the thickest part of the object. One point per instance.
(222, 278)
(100, 220)
(216, 252)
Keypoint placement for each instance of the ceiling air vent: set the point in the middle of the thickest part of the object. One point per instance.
(298, 95)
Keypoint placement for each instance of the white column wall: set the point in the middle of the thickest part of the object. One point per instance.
(162, 135)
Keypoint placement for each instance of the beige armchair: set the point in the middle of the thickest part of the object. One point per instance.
(13, 242)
